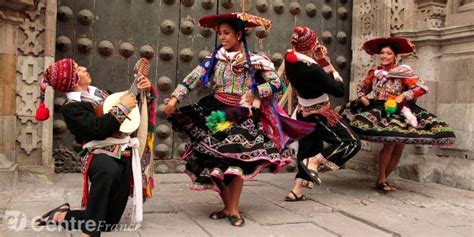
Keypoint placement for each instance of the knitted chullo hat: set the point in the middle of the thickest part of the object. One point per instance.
(303, 39)
(61, 76)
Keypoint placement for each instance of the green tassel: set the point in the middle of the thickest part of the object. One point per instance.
(390, 110)
(214, 119)
(220, 116)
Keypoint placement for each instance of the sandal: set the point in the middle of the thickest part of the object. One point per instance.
(236, 220)
(392, 188)
(217, 215)
(296, 198)
(50, 215)
(384, 187)
(313, 174)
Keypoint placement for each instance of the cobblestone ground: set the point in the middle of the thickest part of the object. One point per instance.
(344, 205)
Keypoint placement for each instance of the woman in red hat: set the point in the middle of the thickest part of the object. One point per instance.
(392, 116)
(314, 79)
(107, 153)
(237, 131)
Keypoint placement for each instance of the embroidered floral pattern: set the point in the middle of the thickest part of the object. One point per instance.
(398, 80)
(230, 77)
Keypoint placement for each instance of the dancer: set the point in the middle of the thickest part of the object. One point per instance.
(392, 116)
(233, 137)
(313, 78)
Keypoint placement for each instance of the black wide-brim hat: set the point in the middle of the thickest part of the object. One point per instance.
(249, 20)
(374, 46)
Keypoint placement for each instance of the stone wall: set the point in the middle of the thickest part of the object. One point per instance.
(9, 21)
(441, 29)
(443, 32)
(27, 30)
(35, 46)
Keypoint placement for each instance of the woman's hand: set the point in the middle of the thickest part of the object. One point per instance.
(249, 97)
(170, 106)
(320, 52)
(365, 101)
(144, 84)
(337, 76)
(380, 74)
(247, 101)
(400, 98)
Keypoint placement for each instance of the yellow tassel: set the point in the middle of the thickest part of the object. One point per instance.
(151, 141)
(390, 105)
(147, 192)
(223, 126)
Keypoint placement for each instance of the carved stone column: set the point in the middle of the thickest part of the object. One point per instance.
(466, 5)
(431, 13)
(460, 12)
(370, 19)
(35, 47)
(10, 19)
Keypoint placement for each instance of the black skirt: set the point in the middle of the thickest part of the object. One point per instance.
(373, 124)
(214, 158)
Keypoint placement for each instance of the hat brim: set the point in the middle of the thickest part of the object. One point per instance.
(374, 46)
(249, 20)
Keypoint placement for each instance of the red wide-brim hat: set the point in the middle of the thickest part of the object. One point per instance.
(249, 20)
(374, 46)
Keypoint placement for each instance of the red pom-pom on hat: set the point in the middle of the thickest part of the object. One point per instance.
(42, 113)
(299, 30)
(61, 76)
(291, 57)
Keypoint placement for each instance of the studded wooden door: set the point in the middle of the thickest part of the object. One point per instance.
(109, 36)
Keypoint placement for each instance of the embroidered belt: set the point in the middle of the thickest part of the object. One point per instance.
(324, 109)
(228, 99)
(314, 109)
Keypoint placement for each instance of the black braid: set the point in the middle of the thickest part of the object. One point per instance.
(210, 70)
(254, 84)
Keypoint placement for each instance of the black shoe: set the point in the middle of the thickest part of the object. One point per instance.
(313, 174)
(217, 215)
(50, 214)
(236, 220)
(383, 187)
(296, 198)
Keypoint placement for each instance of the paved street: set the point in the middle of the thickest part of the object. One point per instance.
(344, 205)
